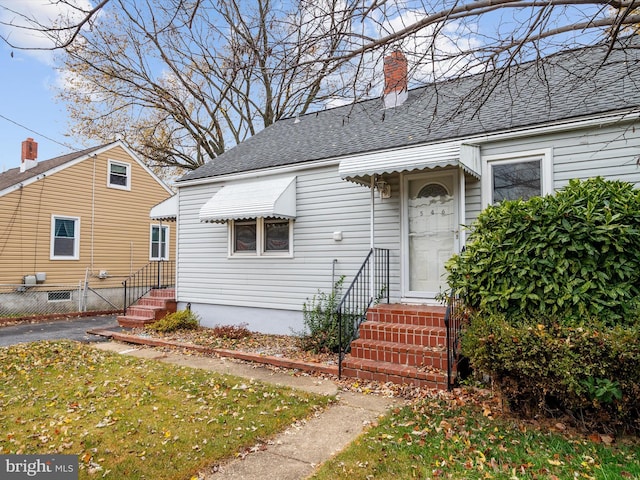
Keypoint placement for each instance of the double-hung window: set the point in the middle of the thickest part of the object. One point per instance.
(159, 242)
(119, 175)
(260, 237)
(65, 238)
(513, 177)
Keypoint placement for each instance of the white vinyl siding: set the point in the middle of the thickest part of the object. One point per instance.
(325, 204)
(610, 152)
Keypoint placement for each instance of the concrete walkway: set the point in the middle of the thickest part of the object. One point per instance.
(295, 453)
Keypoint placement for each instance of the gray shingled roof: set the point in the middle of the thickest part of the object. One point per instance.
(14, 176)
(564, 86)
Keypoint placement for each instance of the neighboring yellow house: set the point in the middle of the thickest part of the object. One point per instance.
(78, 219)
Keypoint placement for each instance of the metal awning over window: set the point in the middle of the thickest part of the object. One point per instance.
(166, 210)
(272, 198)
(360, 168)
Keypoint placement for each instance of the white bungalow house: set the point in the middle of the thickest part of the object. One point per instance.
(266, 225)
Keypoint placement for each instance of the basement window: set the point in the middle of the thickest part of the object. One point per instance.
(59, 296)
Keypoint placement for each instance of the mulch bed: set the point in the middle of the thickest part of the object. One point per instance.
(286, 346)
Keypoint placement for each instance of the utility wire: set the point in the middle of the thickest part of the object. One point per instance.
(37, 133)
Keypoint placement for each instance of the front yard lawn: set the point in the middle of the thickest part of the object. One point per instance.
(131, 418)
(465, 437)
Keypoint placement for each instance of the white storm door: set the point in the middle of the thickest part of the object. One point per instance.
(432, 228)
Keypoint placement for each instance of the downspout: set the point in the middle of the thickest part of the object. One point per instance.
(373, 219)
(373, 209)
(93, 210)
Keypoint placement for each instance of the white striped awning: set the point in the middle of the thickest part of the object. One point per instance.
(270, 198)
(360, 168)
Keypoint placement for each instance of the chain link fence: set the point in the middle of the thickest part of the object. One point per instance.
(19, 302)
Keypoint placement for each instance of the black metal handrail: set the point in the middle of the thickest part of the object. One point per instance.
(370, 285)
(454, 319)
(156, 274)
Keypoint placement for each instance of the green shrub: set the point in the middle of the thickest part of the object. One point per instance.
(180, 320)
(554, 284)
(591, 370)
(571, 256)
(321, 322)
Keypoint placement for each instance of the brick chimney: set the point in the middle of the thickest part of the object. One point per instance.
(395, 79)
(29, 154)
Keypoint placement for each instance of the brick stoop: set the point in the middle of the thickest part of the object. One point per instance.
(401, 344)
(149, 308)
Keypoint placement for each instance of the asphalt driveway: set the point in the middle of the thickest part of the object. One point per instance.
(70, 329)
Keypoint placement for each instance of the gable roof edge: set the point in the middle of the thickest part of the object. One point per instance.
(132, 154)
(75, 160)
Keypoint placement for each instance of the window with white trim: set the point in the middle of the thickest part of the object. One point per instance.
(261, 237)
(65, 238)
(159, 248)
(511, 177)
(119, 175)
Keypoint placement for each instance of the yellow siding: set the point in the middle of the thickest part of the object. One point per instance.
(114, 224)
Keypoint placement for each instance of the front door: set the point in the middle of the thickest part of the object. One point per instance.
(432, 231)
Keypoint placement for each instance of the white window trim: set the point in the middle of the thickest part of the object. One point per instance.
(167, 242)
(76, 240)
(546, 169)
(260, 237)
(123, 164)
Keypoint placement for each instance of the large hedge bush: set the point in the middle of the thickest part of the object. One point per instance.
(554, 286)
(572, 255)
(592, 371)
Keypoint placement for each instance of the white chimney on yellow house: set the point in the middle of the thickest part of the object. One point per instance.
(29, 154)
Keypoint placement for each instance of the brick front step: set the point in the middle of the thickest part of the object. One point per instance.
(149, 309)
(401, 344)
(371, 370)
(152, 302)
(426, 336)
(419, 315)
(129, 321)
(408, 355)
(169, 293)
